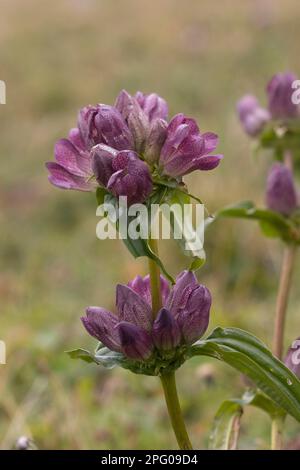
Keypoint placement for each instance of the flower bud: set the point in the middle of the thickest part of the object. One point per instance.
(155, 141)
(165, 332)
(252, 116)
(186, 149)
(280, 93)
(153, 105)
(136, 343)
(131, 177)
(103, 124)
(281, 194)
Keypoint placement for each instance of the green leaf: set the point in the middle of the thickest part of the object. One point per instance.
(249, 355)
(272, 223)
(109, 359)
(100, 195)
(226, 426)
(82, 354)
(103, 356)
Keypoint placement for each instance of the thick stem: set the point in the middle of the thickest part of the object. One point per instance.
(173, 405)
(154, 280)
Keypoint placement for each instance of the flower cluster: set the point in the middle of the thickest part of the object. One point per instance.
(135, 332)
(122, 147)
(292, 359)
(280, 107)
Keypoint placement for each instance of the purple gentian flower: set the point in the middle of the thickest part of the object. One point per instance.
(141, 113)
(281, 195)
(122, 173)
(292, 359)
(186, 149)
(252, 116)
(280, 92)
(182, 320)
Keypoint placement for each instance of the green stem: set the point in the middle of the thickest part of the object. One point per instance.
(282, 298)
(155, 280)
(167, 379)
(285, 283)
(173, 405)
(277, 433)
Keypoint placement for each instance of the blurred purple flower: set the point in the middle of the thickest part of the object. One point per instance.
(183, 319)
(186, 149)
(281, 195)
(122, 173)
(280, 92)
(292, 359)
(252, 116)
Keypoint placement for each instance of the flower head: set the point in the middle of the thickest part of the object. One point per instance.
(280, 90)
(186, 149)
(281, 195)
(252, 116)
(181, 321)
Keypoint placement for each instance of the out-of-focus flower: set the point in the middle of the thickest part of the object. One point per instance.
(186, 149)
(182, 320)
(280, 92)
(281, 195)
(122, 173)
(292, 359)
(252, 116)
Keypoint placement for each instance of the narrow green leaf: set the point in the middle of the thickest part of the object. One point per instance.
(82, 354)
(226, 426)
(250, 356)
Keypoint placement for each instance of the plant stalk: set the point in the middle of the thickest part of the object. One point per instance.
(175, 413)
(285, 282)
(167, 379)
(277, 433)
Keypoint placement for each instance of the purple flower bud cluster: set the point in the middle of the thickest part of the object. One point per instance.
(280, 89)
(182, 320)
(281, 193)
(118, 147)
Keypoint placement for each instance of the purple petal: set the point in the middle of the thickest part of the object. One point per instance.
(166, 333)
(142, 287)
(62, 178)
(210, 141)
(102, 163)
(193, 319)
(207, 163)
(100, 324)
(76, 139)
(136, 343)
(70, 158)
(177, 299)
(280, 92)
(133, 308)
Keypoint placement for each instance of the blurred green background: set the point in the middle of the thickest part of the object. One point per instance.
(56, 57)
